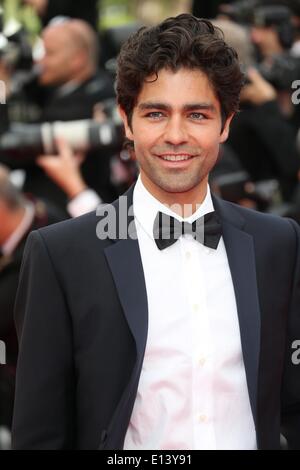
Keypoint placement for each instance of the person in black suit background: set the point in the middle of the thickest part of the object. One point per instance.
(18, 216)
(168, 319)
(70, 86)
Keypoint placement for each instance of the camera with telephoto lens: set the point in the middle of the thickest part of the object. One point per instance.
(20, 140)
(27, 141)
(281, 72)
(284, 68)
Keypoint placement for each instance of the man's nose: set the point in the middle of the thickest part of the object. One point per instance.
(175, 132)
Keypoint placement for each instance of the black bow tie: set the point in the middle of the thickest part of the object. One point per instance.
(206, 230)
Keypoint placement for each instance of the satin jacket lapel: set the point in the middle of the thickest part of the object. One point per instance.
(241, 257)
(124, 260)
(126, 266)
(125, 263)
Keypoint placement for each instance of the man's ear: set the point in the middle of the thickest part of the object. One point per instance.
(128, 131)
(226, 127)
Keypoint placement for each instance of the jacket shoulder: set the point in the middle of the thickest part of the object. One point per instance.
(258, 223)
(72, 235)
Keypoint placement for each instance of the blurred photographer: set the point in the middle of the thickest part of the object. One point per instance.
(272, 30)
(72, 86)
(272, 24)
(273, 33)
(69, 71)
(261, 137)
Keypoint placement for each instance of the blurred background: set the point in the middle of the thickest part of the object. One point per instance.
(62, 146)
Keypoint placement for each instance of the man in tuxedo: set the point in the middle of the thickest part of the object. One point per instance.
(168, 319)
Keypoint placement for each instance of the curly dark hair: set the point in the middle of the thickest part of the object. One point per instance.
(181, 41)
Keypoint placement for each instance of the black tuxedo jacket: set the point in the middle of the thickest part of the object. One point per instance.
(81, 315)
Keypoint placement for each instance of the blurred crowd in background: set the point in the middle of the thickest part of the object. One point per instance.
(61, 139)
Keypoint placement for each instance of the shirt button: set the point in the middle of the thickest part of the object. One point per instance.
(188, 255)
(196, 308)
(201, 361)
(202, 418)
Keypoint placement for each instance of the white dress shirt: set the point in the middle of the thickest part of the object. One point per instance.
(192, 392)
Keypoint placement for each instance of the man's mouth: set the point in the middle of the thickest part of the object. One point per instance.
(175, 158)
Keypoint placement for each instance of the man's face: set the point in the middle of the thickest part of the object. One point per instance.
(176, 129)
(57, 63)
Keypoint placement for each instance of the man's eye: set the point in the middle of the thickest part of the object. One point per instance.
(154, 115)
(197, 116)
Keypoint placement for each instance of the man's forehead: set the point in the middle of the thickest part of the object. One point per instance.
(170, 71)
(196, 89)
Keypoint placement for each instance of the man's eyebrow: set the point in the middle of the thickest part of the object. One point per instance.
(203, 106)
(153, 105)
(166, 107)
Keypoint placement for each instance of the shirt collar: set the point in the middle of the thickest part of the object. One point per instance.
(12, 242)
(146, 207)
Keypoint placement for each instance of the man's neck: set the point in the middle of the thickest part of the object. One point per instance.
(182, 203)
